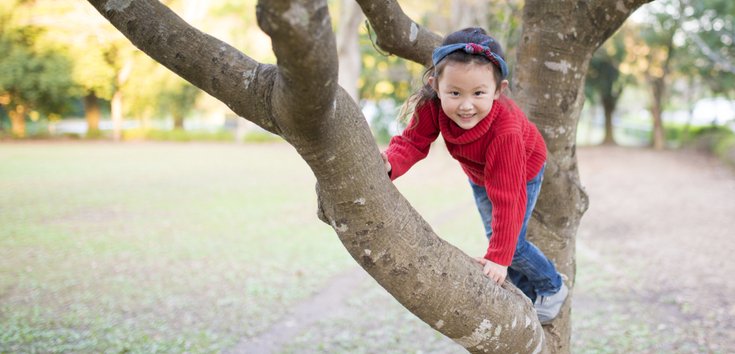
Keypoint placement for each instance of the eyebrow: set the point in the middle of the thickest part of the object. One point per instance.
(483, 87)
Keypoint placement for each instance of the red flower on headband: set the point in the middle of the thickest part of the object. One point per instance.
(474, 48)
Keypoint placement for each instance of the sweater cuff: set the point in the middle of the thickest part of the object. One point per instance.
(499, 256)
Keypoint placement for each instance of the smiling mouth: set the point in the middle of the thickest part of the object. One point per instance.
(466, 116)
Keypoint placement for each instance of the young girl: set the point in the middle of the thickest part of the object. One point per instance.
(499, 149)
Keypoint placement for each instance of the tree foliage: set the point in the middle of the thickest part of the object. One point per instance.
(34, 79)
(709, 30)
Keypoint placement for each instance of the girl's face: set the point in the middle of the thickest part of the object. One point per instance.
(467, 92)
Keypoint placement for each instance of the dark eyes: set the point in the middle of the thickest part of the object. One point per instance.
(476, 93)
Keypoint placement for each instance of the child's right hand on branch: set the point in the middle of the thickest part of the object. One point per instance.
(385, 161)
(495, 271)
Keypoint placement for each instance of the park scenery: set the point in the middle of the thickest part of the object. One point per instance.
(194, 176)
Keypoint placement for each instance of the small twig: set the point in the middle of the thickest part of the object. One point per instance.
(370, 35)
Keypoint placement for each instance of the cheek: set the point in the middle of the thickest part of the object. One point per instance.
(447, 106)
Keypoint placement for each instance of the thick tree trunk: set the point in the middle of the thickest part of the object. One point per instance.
(557, 42)
(92, 114)
(658, 138)
(658, 88)
(18, 121)
(178, 122)
(608, 105)
(300, 100)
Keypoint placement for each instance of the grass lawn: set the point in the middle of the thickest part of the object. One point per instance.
(171, 247)
(166, 247)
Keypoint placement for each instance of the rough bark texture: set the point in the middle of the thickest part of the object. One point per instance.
(299, 99)
(558, 40)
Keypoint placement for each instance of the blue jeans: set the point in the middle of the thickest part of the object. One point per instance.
(530, 270)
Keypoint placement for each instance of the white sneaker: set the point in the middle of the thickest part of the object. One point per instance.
(547, 307)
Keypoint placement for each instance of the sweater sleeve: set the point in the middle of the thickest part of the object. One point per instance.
(505, 183)
(413, 144)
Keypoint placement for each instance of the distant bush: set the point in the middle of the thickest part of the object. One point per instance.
(187, 135)
(718, 140)
(177, 135)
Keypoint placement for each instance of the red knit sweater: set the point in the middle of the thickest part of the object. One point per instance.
(502, 152)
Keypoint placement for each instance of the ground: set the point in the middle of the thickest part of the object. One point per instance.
(182, 248)
(655, 254)
(659, 233)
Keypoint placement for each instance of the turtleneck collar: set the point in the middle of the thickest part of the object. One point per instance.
(452, 133)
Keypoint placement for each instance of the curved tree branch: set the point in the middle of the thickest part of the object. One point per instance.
(304, 44)
(608, 15)
(397, 33)
(243, 83)
(382, 232)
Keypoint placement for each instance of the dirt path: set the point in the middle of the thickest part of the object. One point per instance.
(655, 269)
(661, 228)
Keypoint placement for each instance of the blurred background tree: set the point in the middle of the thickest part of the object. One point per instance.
(605, 82)
(35, 80)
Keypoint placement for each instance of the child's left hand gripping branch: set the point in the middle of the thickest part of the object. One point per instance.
(386, 163)
(495, 271)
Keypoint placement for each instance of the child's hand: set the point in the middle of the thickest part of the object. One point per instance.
(495, 271)
(385, 162)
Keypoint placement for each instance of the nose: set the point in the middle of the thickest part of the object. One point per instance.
(465, 105)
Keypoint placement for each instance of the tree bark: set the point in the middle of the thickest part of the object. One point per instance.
(92, 114)
(299, 99)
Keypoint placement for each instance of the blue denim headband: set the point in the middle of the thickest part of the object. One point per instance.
(470, 48)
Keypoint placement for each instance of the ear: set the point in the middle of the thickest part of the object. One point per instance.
(432, 82)
(499, 90)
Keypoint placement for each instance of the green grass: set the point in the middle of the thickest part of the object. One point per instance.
(154, 247)
(167, 247)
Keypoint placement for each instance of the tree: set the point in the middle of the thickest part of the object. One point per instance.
(163, 95)
(709, 26)
(606, 82)
(299, 99)
(34, 79)
(652, 58)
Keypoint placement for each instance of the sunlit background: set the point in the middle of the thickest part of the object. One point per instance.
(66, 72)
